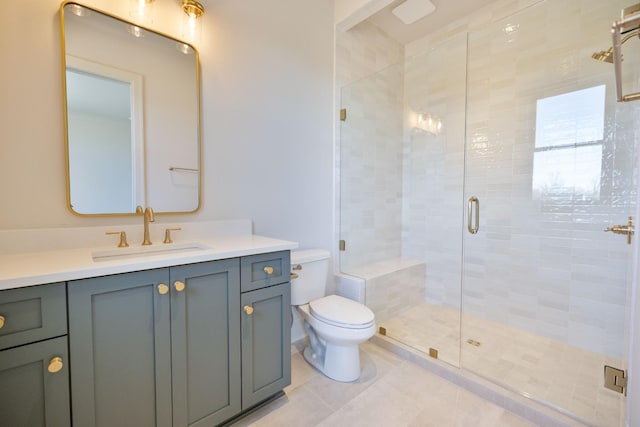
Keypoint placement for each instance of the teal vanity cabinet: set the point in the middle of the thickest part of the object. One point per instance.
(156, 348)
(120, 350)
(265, 326)
(34, 373)
(205, 342)
(188, 345)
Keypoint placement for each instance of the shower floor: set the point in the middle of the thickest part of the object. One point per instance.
(567, 377)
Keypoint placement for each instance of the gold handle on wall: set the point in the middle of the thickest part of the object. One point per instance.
(294, 276)
(473, 201)
(1, 322)
(178, 285)
(163, 289)
(55, 365)
(268, 270)
(248, 309)
(297, 267)
(627, 229)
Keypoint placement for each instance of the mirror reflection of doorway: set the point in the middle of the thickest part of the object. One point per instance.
(105, 139)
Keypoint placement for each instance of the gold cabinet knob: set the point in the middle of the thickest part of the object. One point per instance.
(1, 321)
(178, 285)
(55, 365)
(248, 309)
(268, 270)
(163, 289)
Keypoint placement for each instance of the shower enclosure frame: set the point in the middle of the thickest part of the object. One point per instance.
(463, 201)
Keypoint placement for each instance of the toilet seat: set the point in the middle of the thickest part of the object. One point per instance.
(341, 312)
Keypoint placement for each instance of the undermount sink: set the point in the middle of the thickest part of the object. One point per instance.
(146, 251)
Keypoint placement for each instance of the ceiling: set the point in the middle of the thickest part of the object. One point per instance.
(446, 12)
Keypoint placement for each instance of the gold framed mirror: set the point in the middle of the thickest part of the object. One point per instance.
(132, 116)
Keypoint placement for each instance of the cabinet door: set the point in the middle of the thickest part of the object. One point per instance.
(120, 344)
(31, 395)
(205, 342)
(266, 343)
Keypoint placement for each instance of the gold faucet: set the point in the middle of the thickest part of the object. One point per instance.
(148, 217)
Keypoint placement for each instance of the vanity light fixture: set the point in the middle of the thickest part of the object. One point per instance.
(426, 122)
(141, 10)
(190, 28)
(511, 28)
(510, 31)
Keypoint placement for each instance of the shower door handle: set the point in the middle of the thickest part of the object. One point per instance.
(471, 225)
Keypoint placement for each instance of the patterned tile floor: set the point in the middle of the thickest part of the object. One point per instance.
(551, 371)
(391, 392)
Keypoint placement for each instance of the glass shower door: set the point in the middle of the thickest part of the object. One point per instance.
(401, 180)
(434, 93)
(550, 163)
(371, 171)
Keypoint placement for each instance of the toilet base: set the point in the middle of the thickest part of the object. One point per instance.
(340, 363)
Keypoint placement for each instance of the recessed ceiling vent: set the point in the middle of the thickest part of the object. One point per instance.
(412, 10)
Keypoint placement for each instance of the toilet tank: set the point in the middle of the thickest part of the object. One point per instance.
(312, 267)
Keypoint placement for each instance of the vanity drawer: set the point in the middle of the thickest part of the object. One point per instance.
(259, 271)
(32, 314)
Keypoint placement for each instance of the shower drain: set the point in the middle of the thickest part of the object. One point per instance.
(473, 342)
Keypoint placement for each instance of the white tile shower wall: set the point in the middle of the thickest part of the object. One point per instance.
(371, 184)
(433, 168)
(362, 51)
(371, 181)
(541, 265)
(498, 10)
(541, 261)
(369, 143)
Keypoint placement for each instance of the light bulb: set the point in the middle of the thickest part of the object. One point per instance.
(191, 28)
(141, 10)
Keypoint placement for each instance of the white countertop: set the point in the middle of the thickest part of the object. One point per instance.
(26, 269)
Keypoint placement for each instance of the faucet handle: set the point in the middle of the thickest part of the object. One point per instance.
(167, 234)
(123, 238)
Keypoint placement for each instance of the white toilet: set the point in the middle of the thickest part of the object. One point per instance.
(335, 325)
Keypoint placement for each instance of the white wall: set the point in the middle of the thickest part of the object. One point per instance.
(267, 116)
(267, 105)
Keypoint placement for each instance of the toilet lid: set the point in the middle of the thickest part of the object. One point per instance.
(343, 312)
